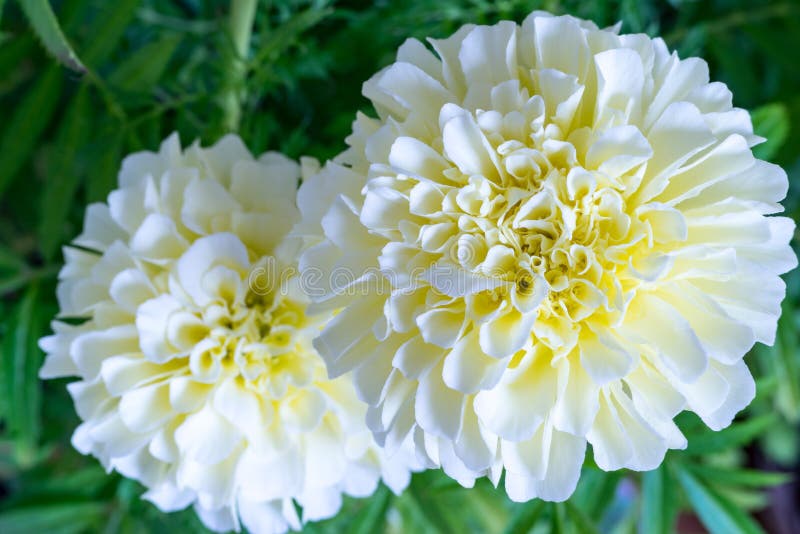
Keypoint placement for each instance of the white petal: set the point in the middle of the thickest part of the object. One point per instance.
(206, 437)
(468, 369)
(438, 408)
(506, 334)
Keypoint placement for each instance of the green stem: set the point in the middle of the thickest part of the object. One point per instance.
(240, 26)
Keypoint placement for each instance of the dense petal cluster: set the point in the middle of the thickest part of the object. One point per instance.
(197, 373)
(551, 235)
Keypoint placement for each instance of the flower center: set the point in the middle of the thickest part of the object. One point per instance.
(249, 334)
(535, 214)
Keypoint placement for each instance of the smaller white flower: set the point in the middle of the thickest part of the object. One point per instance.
(197, 373)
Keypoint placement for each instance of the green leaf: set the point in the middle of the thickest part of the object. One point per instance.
(112, 21)
(787, 364)
(771, 122)
(25, 276)
(524, 517)
(594, 490)
(737, 434)
(718, 514)
(372, 517)
(44, 23)
(281, 37)
(62, 182)
(20, 370)
(421, 497)
(56, 518)
(728, 476)
(102, 176)
(144, 68)
(26, 124)
(557, 518)
(579, 519)
(10, 259)
(654, 517)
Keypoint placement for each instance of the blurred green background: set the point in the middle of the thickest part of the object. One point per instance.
(153, 67)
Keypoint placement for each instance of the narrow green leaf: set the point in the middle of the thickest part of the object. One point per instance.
(62, 182)
(579, 519)
(279, 38)
(436, 521)
(735, 435)
(524, 517)
(112, 21)
(599, 495)
(143, 69)
(44, 23)
(25, 276)
(653, 518)
(787, 364)
(728, 476)
(21, 366)
(26, 124)
(718, 514)
(372, 518)
(102, 176)
(10, 259)
(771, 122)
(56, 518)
(557, 518)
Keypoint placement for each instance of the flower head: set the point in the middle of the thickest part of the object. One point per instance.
(197, 373)
(556, 235)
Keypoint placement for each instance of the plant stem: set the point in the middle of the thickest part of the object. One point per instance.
(240, 26)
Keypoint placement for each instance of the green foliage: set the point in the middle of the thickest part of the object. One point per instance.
(148, 68)
(44, 24)
(771, 122)
(718, 514)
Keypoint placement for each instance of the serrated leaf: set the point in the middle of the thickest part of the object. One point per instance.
(25, 125)
(771, 122)
(63, 179)
(21, 366)
(718, 514)
(55, 518)
(44, 23)
(736, 435)
(144, 68)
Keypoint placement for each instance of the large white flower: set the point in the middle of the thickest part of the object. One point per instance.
(197, 373)
(551, 235)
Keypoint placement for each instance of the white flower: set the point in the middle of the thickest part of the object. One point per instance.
(556, 235)
(197, 373)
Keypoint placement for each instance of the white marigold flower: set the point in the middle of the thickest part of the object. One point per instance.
(197, 373)
(554, 235)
